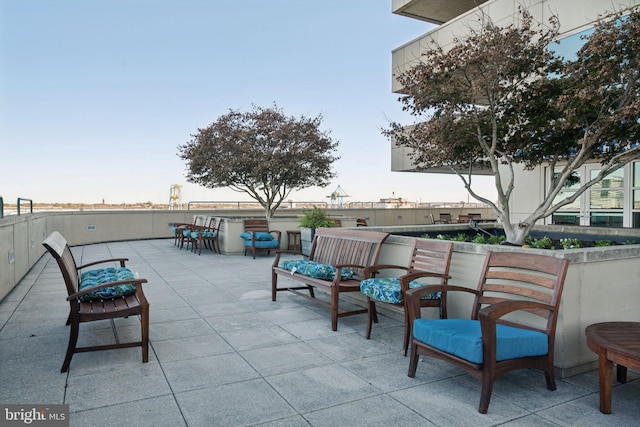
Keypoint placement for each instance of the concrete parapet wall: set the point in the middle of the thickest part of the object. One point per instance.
(602, 283)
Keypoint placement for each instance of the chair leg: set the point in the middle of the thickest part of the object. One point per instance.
(550, 377)
(71, 347)
(335, 299)
(407, 331)
(485, 397)
(144, 332)
(413, 362)
(371, 310)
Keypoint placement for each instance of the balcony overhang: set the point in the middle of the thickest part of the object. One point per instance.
(477, 170)
(434, 11)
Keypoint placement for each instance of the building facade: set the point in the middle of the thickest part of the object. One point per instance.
(615, 201)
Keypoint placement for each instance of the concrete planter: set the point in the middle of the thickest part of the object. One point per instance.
(601, 285)
(306, 237)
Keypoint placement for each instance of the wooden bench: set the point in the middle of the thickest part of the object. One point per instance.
(340, 248)
(84, 307)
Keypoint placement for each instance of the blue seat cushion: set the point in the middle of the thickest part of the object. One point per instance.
(315, 269)
(463, 338)
(260, 235)
(263, 244)
(387, 289)
(196, 234)
(92, 278)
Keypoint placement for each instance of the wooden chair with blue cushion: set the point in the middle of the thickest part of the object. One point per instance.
(212, 237)
(206, 235)
(102, 294)
(258, 237)
(178, 227)
(189, 237)
(512, 324)
(430, 260)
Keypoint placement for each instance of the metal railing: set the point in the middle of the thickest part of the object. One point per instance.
(25, 200)
(234, 204)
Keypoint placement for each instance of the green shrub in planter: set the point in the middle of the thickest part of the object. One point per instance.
(315, 218)
(312, 219)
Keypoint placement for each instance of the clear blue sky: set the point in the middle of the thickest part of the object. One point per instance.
(96, 95)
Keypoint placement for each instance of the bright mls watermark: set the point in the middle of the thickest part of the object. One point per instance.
(34, 415)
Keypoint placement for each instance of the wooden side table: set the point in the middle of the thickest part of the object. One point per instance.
(614, 342)
(294, 240)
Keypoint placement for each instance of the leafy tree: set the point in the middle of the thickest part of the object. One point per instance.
(500, 98)
(262, 153)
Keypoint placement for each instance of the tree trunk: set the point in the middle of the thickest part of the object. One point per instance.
(515, 235)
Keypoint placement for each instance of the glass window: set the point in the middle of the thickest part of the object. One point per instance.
(606, 199)
(568, 46)
(606, 219)
(614, 180)
(569, 188)
(565, 218)
(636, 199)
(636, 174)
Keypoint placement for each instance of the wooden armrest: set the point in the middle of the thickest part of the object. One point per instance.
(338, 277)
(418, 274)
(121, 260)
(371, 271)
(279, 252)
(489, 315)
(408, 278)
(198, 227)
(497, 310)
(413, 296)
(289, 251)
(349, 266)
(78, 294)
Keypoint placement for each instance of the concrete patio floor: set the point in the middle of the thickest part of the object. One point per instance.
(223, 354)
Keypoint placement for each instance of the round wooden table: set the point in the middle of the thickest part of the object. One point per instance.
(614, 342)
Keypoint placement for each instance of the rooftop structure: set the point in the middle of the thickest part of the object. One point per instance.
(222, 353)
(612, 203)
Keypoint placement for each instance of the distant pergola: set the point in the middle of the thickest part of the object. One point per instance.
(337, 196)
